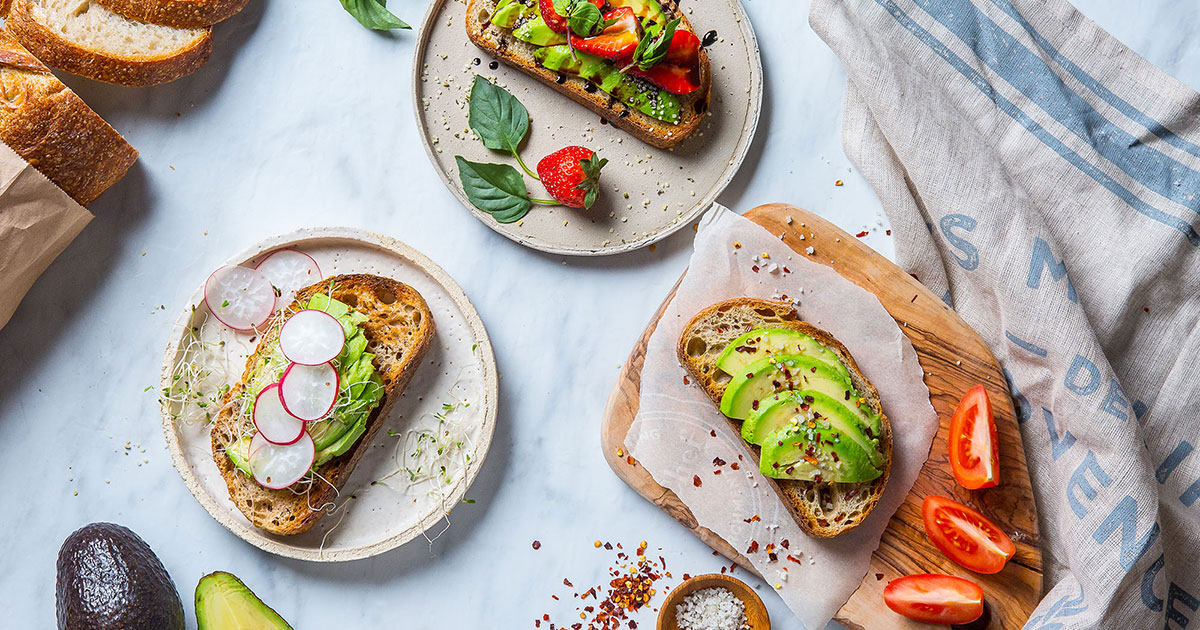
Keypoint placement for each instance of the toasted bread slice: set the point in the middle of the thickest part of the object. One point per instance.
(86, 38)
(177, 13)
(399, 331)
(823, 510)
(518, 54)
(54, 130)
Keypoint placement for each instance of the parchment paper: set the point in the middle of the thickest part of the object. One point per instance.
(37, 222)
(671, 435)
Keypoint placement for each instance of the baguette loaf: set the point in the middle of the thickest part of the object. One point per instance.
(399, 331)
(54, 130)
(518, 54)
(86, 38)
(177, 13)
(822, 510)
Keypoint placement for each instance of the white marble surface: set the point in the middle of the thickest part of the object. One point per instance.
(304, 118)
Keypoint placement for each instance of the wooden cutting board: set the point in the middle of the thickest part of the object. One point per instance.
(955, 359)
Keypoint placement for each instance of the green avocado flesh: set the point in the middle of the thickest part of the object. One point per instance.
(224, 603)
(360, 391)
(764, 342)
(798, 403)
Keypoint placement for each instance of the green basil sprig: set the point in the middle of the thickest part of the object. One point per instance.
(651, 50)
(497, 189)
(501, 121)
(373, 14)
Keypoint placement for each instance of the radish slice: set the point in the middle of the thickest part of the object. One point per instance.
(309, 392)
(276, 466)
(274, 423)
(312, 337)
(289, 270)
(241, 298)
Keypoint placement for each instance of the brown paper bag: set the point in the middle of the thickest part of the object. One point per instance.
(37, 222)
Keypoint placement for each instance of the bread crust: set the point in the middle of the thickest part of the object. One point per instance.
(796, 495)
(177, 13)
(63, 54)
(499, 43)
(285, 512)
(54, 130)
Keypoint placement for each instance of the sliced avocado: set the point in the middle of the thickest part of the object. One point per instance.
(636, 93)
(509, 12)
(536, 32)
(813, 450)
(644, 9)
(224, 603)
(764, 342)
(759, 381)
(239, 453)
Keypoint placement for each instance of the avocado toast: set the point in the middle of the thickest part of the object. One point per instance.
(660, 102)
(803, 409)
(388, 329)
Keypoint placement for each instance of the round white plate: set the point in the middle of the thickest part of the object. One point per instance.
(666, 189)
(452, 394)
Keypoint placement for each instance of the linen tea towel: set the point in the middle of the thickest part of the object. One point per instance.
(1046, 180)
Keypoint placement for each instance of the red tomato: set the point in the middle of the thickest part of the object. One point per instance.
(974, 454)
(966, 536)
(943, 599)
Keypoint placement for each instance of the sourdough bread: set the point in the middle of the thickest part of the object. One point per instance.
(177, 13)
(822, 510)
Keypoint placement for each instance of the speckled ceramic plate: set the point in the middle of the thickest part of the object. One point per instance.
(445, 417)
(648, 193)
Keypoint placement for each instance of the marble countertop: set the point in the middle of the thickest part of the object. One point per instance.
(304, 118)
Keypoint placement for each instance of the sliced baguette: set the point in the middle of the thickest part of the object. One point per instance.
(177, 13)
(86, 38)
(399, 331)
(518, 54)
(54, 130)
(822, 510)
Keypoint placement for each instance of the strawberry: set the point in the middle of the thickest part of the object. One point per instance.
(679, 70)
(556, 22)
(572, 176)
(615, 42)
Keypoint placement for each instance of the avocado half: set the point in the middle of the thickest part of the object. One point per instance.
(223, 602)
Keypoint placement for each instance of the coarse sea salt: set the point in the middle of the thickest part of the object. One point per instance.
(714, 608)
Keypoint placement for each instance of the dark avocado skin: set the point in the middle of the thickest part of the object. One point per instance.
(110, 579)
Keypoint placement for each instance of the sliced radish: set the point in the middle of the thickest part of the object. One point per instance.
(277, 466)
(241, 298)
(312, 337)
(274, 423)
(289, 270)
(309, 392)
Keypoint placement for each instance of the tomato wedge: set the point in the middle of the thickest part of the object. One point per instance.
(974, 454)
(966, 536)
(929, 598)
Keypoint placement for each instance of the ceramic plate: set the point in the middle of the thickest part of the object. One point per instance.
(445, 417)
(648, 193)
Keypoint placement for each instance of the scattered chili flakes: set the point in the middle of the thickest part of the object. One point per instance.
(712, 432)
(753, 548)
(888, 232)
(794, 559)
(696, 481)
(629, 460)
(717, 461)
(568, 583)
(717, 471)
(752, 519)
(685, 380)
(862, 234)
(537, 544)
(734, 466)
(838, 183)
(754, 268)
(785, 544)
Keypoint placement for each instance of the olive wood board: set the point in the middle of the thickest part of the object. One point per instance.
(954, 359)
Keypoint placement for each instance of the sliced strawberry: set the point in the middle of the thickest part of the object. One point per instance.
(615, 42)
(672, 78)
(556, 22)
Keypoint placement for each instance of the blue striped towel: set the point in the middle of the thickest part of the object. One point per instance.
(1046, 180)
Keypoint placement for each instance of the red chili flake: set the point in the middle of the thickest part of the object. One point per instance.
(537, 544)
(753, 548)
(773, 557)
(878, 577)
(794, 559)
(633, 624)
(555, 597)
(786, 270)
(752, 519)
(754, 268)
(861, 234)
(889, 232)
(717, 461)
(1146, 308)
(686, 381)
(537, 623)
(713, 433)
(686, 577)
(696, 481)
(546, 617)
(629, 460)
(608, 546)
(734, 466)
(717, 471)
(722, 570)
(784, 543)
(739, 458)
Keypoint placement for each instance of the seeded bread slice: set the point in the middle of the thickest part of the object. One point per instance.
(86, 38)
(518, 54)
(399, 330)
(822, 510)
(54, 130)
(177, 13)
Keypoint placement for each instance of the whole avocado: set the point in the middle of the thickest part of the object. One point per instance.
(110, 579)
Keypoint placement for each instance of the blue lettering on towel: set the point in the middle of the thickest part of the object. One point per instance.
(1114, 403)
(1021, 403)
(1152, 601)
(1139, 409)
(1079, 480)
(1043, 259)
(1177, 594)
(1072, 380)
(1028, 346)
(970, 256)
(1190, 495)
(1124, 517)
(1057, 446)
(1172, 461)
(1065, 606)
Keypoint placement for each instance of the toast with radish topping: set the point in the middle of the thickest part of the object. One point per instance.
(398, 329)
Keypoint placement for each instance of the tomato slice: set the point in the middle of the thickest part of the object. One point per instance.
(974, 454)
(966, 536)
(929, 598)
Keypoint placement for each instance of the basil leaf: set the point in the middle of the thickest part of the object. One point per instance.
(563, 7)
(373, 14)
(657, 49)
(584, 19)
(497, 189)
(501, 121)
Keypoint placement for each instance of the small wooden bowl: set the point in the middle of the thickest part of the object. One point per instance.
(756, 612)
